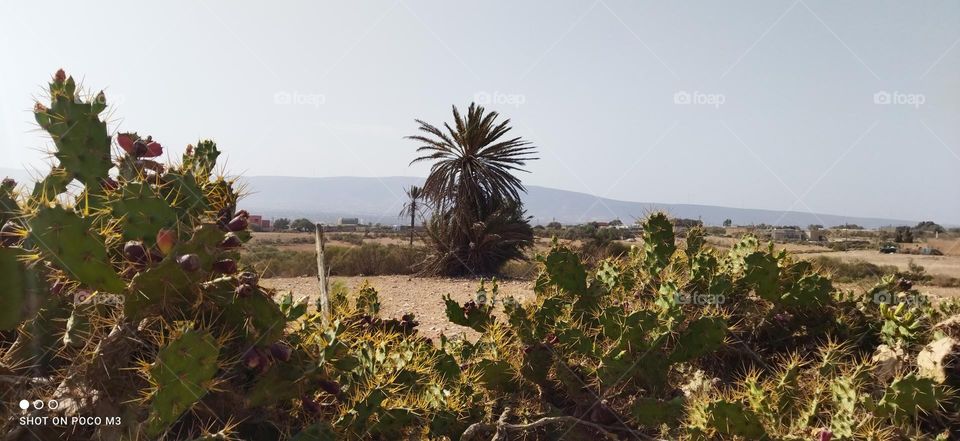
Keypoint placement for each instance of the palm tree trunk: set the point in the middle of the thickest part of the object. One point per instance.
(413, 213)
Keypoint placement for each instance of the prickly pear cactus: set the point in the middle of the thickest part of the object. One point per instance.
(182, 374)
(132, 286)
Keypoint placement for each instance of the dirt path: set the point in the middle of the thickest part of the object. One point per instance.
(402, 294)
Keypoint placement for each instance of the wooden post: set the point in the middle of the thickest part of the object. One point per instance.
(322, 276)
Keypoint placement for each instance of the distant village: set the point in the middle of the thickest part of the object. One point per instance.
(839, 237)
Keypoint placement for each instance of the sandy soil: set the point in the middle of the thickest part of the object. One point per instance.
(402, 294)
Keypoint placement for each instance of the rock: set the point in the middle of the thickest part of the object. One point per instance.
(940, 361)
(950, 326)
(887, 362)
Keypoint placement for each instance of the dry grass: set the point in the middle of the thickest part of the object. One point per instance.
(724, 243)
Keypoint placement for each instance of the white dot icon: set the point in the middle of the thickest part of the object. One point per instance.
(24, 404)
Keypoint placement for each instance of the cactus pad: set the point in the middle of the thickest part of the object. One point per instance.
(70, 243)
(83, 145)
(182, 374)
(143, 212)
(13, 287)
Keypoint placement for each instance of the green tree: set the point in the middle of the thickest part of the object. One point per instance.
(727, 222)
(303, 224)
(478, 221)
(281, 224)
(412, 207)
(903, 234)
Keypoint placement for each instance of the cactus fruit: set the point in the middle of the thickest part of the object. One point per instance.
(189, 262)
(165, 240)
(230, 241)
(225, 266)
(280, 351)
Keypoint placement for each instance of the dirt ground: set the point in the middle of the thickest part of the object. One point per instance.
(945, 265)
(402, 294)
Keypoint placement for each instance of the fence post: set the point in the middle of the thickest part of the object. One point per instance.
(322, 276)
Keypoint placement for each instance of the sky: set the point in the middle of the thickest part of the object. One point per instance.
(834, 107)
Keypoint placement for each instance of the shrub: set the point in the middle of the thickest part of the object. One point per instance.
(852, 271)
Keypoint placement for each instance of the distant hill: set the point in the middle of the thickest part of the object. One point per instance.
(379, 200)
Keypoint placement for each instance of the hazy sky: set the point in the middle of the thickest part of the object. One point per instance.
(838, 107)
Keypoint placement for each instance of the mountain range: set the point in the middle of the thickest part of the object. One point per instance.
(379, 200)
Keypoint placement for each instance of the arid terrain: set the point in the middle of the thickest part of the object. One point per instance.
(402, 294)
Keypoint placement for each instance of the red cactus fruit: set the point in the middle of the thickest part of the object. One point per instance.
(281, 351)
(225, 266)
(244, 290)
(310, 406)
(9, 183)
(60, 76)
(189, 262)
(126, 141)
(825, 435)
(253, 359)
(135, 252)
(153, 149)
(238, 223)
(248, 278)
(230, 241)
(329, 386)
(166, 238)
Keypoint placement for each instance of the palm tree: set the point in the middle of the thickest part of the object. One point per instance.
(412, 207)
(472, 167)
(478, 221)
